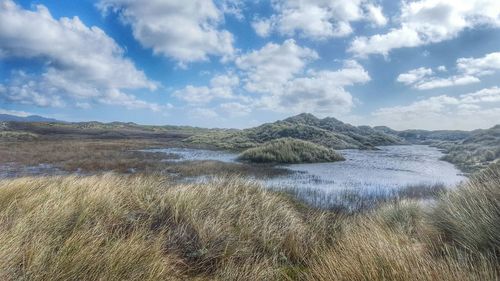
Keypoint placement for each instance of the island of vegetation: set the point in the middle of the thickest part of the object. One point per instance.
(289, 150)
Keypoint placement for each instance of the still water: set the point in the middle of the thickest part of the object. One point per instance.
(386, 168)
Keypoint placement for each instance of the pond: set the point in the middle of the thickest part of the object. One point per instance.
(365, 174)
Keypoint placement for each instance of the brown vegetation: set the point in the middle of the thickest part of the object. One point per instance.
(112, 227)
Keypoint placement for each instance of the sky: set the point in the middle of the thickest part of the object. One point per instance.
(421, 64)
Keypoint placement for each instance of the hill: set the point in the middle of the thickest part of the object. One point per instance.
(288, 150)
(31, 118)
(328, 132)
(475, 152)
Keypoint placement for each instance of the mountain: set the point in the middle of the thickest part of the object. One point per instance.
(31, 118)
(328, 132)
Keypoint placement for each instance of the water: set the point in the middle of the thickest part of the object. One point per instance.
(12, 170)
(367, 176)
(391, 166)
(188, 154)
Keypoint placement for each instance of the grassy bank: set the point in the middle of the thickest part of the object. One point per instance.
(289, 150)
(112, 227)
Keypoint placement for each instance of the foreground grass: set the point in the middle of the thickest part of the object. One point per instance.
(113, 227)
(122, 228)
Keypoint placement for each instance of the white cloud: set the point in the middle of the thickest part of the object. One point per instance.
(80, 62)
(319, 19)
(15, 112)
(273, 65)
(442, 68)
(262, 27)
(375, 14)
(414, 75)
(221, 87)
(321, 92)
(202, 113)
(187, 31)
(480, 109)
(235, 109)
(480, 66)
(469, 72)
(276, 78)
(429, 21)
(435, 82)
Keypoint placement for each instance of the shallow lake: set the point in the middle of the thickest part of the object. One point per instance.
(388, 167)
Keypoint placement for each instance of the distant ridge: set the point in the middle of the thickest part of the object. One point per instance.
(328, 132)
(30, 118)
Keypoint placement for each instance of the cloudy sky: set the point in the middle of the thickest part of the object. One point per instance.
(431, 64)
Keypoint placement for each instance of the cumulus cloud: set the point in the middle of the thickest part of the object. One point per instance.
(262, 27)
(186, 31)
(221, 87)
(469, 71)
(424, 22)
(321, 92)
(318, 19)
(414, 75)
(80, 63)
(457, 80)
(235, 109)
(268, 68)
(480, 66)
(480, 109)
(277, 73)
(277, 78)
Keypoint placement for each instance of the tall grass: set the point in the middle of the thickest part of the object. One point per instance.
(143, 228)
(388, 245)
(469, 217)
(112, 227)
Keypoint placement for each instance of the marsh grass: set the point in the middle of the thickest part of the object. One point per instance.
(360, 200)
(121, 156)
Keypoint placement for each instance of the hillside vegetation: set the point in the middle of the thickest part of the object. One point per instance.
(470, 151)
(328, 132)
(288, 150)
(475, 152)
(112, 227)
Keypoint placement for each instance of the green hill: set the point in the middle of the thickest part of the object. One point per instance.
(328, 132)
(475, 152)
(288, 150)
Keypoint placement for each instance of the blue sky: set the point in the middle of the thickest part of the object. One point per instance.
(430, 64)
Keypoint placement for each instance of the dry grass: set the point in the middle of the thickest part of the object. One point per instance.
(122, 156)
(469, 217)
(393, 248)
(113, 227)
(142, 228)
